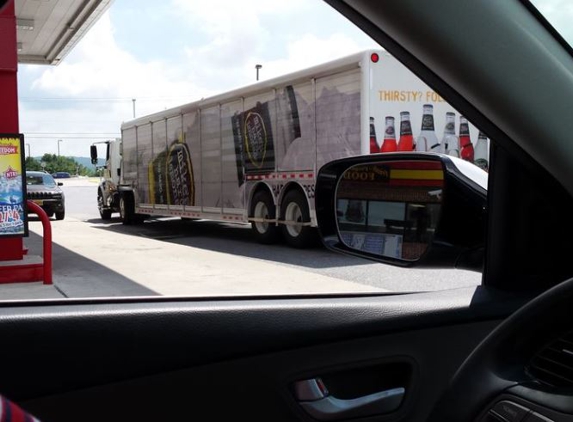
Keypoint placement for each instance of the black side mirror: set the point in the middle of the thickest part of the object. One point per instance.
(93, 154)
(405, 209)
(60, 184)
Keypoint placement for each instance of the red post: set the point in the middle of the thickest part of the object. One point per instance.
(8, 69)
(47, 241)
(12, 248)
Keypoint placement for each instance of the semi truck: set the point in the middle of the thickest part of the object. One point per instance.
(251, 155)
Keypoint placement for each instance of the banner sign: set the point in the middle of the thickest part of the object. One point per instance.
(13, 219)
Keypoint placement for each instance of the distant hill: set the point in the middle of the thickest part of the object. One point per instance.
(87, 162)
(84, 161)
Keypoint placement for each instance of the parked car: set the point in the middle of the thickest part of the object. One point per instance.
(61, 175)
(496, 352)
(42, 189)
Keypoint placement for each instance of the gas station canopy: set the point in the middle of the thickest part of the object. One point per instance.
(47, 30)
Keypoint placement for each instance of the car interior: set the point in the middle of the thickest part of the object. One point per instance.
(501, 351)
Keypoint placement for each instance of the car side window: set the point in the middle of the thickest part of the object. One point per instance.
(34, 180)
(243, 144)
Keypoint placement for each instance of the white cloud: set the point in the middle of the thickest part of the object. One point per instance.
(83, 120)
(311, 50)
(282, 35)
(559, 13)
(99, 68)
(228, 16)
(219, 43)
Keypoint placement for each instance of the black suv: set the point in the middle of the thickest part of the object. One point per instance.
(44, 191)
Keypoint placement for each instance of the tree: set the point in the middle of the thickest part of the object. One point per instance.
(32, 164)
(54, 163)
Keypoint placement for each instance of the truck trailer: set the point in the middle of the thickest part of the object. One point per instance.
(251, 155)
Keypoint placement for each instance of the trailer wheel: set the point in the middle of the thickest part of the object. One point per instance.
(127, 208)
(263, 208)
(294, 212)
(105, 213)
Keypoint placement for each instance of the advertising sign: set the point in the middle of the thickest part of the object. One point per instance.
(13, 220)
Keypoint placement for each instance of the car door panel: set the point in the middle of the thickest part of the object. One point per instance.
(259, 388)
(234, 356)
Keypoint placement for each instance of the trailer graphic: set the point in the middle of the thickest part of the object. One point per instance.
(251, 155)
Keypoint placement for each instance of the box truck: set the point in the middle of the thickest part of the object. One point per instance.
(251, 155)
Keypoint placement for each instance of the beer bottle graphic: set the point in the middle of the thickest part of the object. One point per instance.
(157, 177)
(171, 179)
(287, 123)
(481, 150)
(180, 181)
(253, 136)
(427, 140)
(389, 144)
(236, 122)
(466, 146)
(450, 142)
(406, 142)
(292, 115)
(374, 148)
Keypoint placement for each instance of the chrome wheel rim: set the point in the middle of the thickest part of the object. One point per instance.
(261, 211)
(100, 204)
(122, 208)
(293, 214)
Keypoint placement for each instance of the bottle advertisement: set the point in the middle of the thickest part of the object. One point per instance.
(427, 122)
(253, 132)
(13, 220)
(170, 176)
(265, 132)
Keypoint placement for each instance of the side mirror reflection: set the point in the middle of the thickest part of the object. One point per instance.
(390, 209)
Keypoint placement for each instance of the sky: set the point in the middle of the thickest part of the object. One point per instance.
(169, 53)
(173, 52)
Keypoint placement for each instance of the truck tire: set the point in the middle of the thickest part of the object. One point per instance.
(263, 206)
(294, 209)
(61, 215)
(127, 208)
(105, 213)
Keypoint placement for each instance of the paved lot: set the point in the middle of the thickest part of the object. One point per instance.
(181, 258)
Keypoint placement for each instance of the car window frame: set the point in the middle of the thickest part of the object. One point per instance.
(505, 148)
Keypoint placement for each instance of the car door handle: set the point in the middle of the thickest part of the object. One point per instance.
(330, 408)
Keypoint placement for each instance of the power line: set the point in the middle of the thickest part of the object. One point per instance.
(71, 133)
(70, 137)
(110, 99)
(71, 99)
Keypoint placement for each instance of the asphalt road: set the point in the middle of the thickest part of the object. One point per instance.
(83, 236)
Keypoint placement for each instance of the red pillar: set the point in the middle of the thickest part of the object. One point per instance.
(11, 248)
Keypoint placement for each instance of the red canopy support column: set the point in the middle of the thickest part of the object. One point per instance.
(11, 248)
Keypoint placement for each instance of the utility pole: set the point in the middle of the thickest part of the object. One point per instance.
(28, 146)
(133, 101)
(258, 67)
(59, 140)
